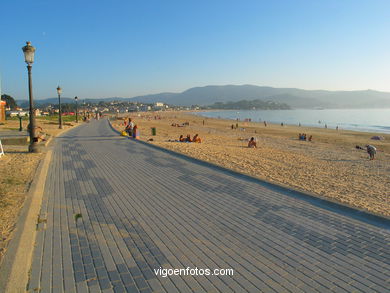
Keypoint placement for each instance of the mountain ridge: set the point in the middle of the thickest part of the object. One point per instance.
(294, 97)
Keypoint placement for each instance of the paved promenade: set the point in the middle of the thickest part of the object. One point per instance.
(114, 210)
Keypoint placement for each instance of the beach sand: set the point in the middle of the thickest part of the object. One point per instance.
(330, 166)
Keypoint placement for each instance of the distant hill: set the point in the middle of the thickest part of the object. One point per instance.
(250, 105)
(296, 98)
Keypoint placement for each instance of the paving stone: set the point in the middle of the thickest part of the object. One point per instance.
(104, 283)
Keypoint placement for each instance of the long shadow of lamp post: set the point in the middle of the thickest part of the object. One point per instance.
(29, 52)
(59, 91)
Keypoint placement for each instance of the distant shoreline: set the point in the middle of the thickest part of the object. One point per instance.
(344, 124)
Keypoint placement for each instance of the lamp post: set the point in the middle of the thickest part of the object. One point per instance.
(20, 122)
(85, 118)
(59, 91)
(29, 52)
(77, 110)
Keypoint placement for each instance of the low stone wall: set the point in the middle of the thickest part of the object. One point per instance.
(15, 140)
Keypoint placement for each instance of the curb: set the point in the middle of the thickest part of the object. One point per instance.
(16, 263)
(317, 200)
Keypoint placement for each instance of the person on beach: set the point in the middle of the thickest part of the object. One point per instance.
(135, 132)
(181, 138)
(39, 134)
(371, 150)
(129, 127)
(252, 143)
(196, 138)
(188, 138)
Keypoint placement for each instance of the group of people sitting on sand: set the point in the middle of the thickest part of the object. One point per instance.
(180, 125)
(196, 138)
(302, 136)
(131, 129)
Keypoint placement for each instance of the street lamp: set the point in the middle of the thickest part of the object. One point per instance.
(85, 118)
(59, 91)
(77, 110)
(29, 52)
(20, 122)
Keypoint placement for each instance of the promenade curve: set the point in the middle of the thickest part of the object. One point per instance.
(116, 211)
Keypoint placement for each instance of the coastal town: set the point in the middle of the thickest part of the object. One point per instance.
(112, 107)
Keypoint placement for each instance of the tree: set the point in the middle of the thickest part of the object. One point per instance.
(66, 108)
(10, 101)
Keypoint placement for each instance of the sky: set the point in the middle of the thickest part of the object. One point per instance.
(125, 48)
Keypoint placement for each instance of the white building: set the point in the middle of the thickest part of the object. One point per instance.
(16, 113)
(145, 108)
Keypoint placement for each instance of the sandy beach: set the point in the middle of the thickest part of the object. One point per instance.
(330, 166)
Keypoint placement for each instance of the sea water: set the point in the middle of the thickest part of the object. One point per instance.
(367, 120)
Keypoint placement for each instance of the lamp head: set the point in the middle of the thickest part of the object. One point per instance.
(29, 52)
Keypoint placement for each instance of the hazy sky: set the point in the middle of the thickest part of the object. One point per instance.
(124, 48)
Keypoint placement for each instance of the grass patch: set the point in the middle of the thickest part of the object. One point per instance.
(12, 181)
(3, 200)
(24, 118)
(65, 118)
